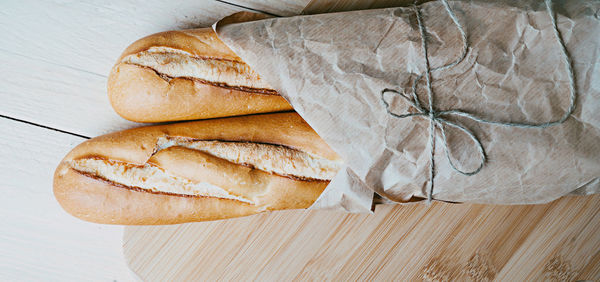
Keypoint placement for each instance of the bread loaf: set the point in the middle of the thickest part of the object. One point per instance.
(185, 75)
(196, 171)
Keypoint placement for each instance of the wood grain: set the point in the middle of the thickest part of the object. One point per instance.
(416, 242)
(38, 240)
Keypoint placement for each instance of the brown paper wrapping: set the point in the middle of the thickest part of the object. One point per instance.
(333, 67)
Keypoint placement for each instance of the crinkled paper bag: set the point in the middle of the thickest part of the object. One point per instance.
(333, 68)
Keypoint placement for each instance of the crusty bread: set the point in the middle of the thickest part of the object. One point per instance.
(185, 75)
(196, 171)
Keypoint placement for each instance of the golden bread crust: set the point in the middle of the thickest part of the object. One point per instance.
(97, 200)
(141, 94)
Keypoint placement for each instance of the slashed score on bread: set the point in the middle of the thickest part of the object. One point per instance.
(196, 171)
(185, 75)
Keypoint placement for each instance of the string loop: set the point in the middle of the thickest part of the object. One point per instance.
(439, 119)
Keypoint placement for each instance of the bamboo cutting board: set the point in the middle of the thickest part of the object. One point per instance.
(555, 241)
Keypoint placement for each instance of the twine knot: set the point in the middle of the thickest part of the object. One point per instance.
(438, 119)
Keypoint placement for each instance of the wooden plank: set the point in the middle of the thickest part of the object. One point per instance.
(276, 7)
(418, 242)
(56, 55)
(297, 7)
(39, 241)
(329, 6)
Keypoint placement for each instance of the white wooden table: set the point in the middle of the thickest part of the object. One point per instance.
(54, 59)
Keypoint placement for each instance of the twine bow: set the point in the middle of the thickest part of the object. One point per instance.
(439, 118)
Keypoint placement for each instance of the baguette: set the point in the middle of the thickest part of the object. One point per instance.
(185, 75)
(196, 171)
